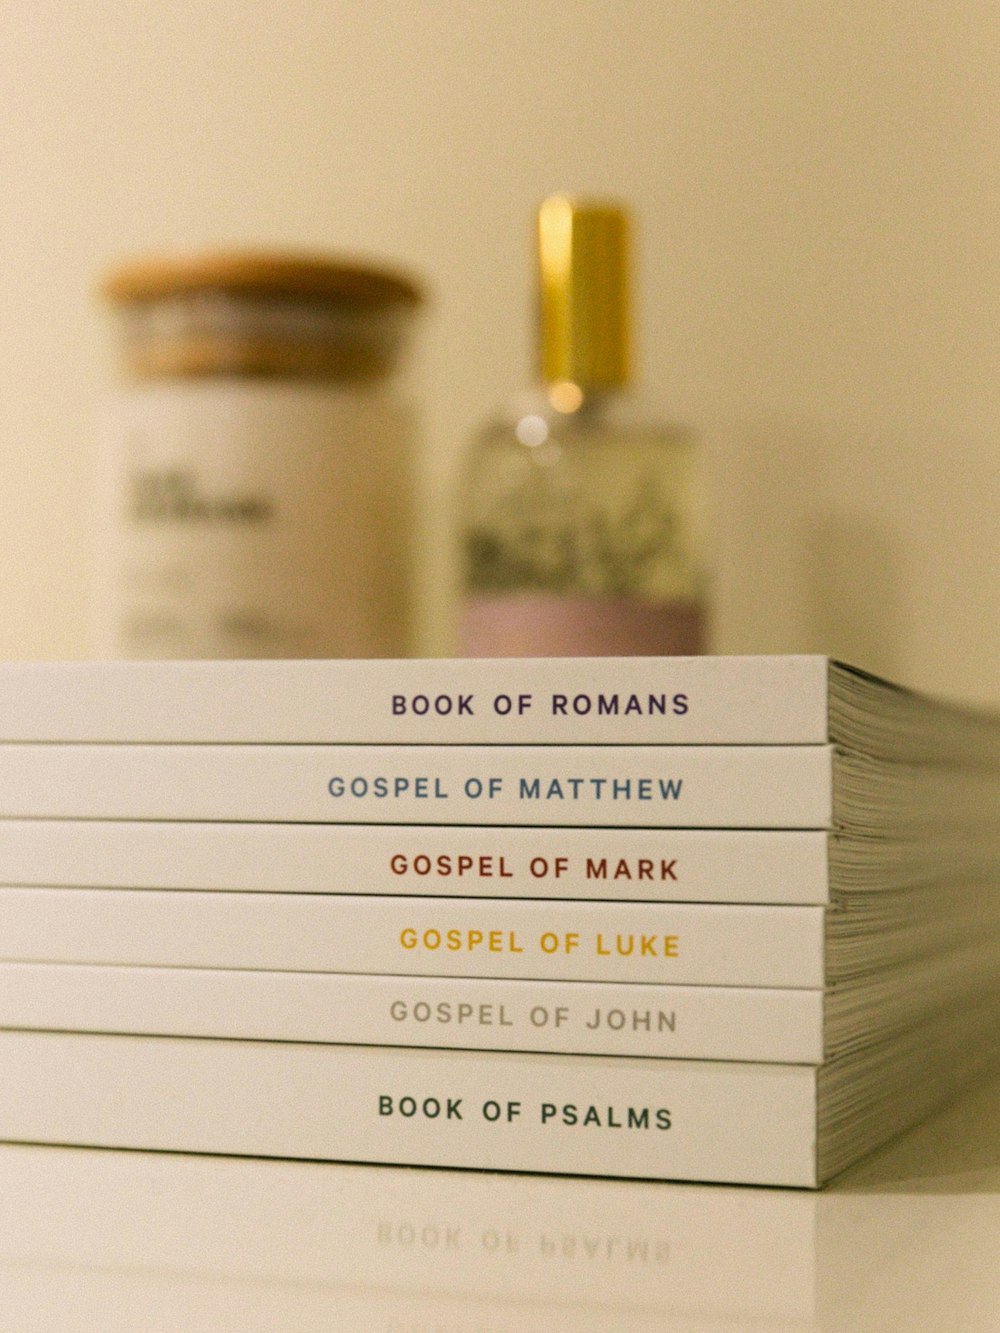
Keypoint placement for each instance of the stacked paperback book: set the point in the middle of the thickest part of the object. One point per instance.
(715, 919)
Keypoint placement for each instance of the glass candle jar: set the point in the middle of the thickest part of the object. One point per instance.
(258, 481)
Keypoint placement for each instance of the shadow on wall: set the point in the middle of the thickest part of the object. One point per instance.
(795, 574)
(852, 584)
(757, 471)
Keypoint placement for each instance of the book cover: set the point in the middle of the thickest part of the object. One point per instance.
(696, 1022)
(680, 943)
(642, 865)
(652, 1119)
(764, 700)
(789, 787)
(645, 700)
(717, 865)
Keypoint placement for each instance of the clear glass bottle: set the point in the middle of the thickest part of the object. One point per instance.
(581, 517)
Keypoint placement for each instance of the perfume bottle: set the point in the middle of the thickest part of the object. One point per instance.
(580, 513)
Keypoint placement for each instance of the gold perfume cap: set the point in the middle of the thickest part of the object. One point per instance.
(583, 253)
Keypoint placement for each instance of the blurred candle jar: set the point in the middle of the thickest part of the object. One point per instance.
(258, 483)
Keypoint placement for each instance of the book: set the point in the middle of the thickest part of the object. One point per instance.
(764, 700)
(678, 943)
(718, 865)
(701, 943)
(804, 786)
(688, 1120)
(682, 865)
(477, 1013)
(761, 1024)
(683, 943)
(763, 1124)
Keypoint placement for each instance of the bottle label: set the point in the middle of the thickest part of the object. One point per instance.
(554, 625)
(254, 518)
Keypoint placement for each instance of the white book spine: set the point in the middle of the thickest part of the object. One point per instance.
(714, 865)
(655, 1119)
(681, 1022)
(674, 700)
(648, 786)
(700, 944)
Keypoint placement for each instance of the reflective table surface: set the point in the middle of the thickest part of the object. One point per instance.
(109, 1241)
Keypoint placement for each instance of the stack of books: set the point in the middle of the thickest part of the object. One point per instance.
(715, 919)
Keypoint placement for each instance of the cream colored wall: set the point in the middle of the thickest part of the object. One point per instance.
(816, 186)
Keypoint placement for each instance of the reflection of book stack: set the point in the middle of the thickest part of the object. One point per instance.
(445, 912)
(258, 1245)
